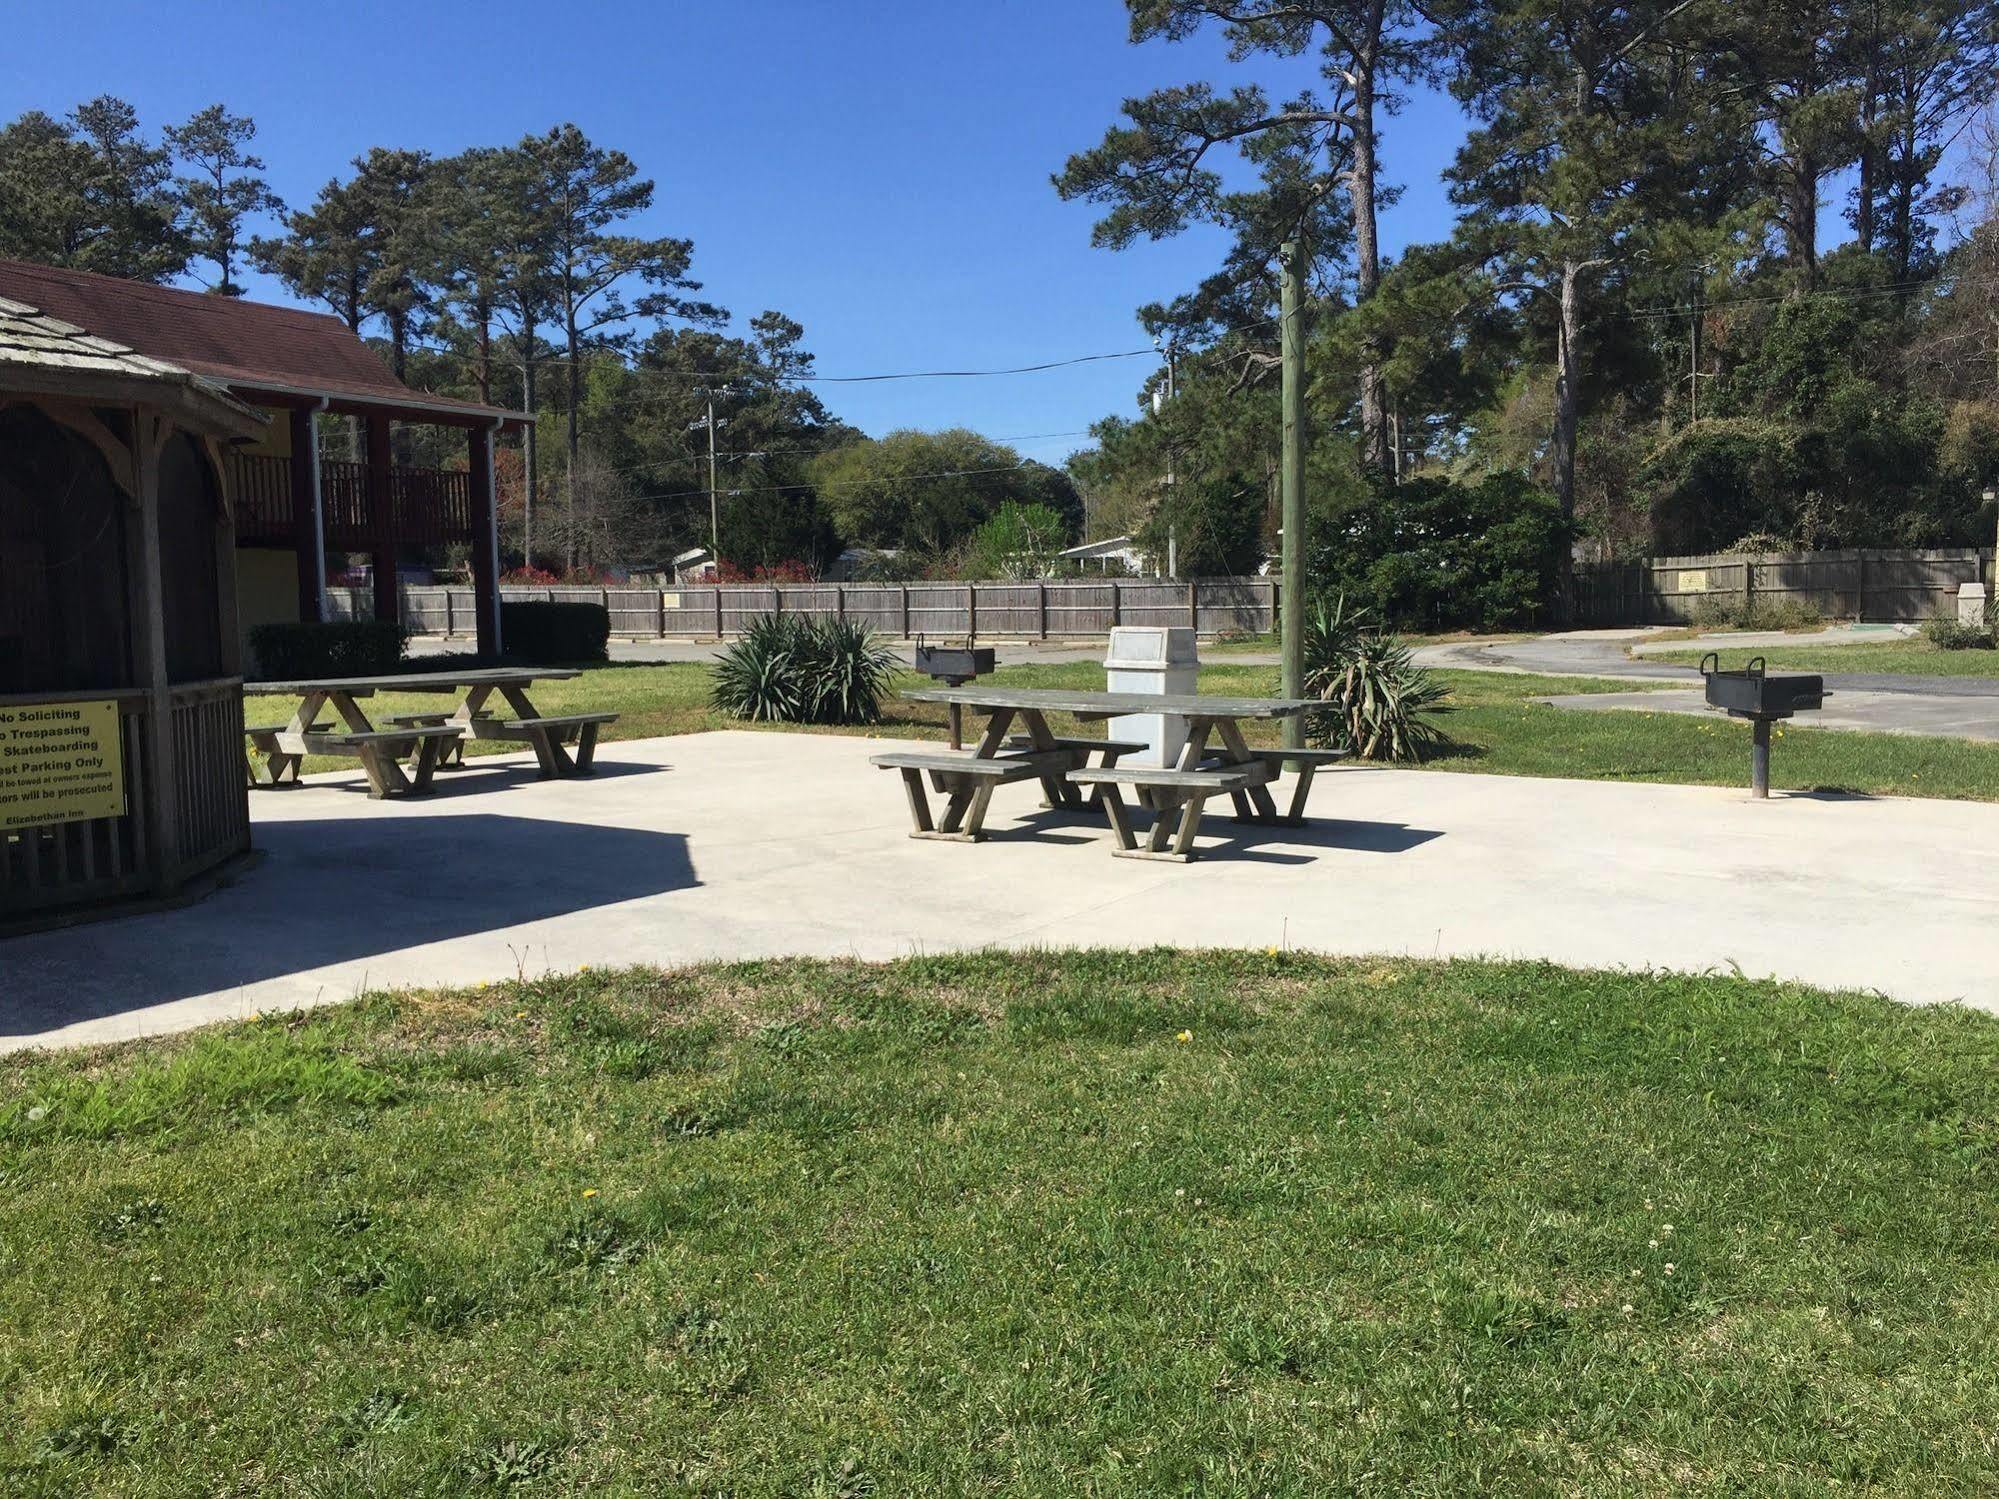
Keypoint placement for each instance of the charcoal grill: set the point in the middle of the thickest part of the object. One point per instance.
(1754, 694)
(954, 665)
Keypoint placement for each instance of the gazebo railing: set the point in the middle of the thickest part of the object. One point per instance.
(78, 863)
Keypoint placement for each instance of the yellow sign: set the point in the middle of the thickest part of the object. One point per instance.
(1693, 582)
(669, 601)
(60, 762)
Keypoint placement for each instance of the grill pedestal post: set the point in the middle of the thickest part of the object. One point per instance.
(1759, 757)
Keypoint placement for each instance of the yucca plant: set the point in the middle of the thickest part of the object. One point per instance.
(851, 672)
(788, 668)
(1379, 703)
(761, 676)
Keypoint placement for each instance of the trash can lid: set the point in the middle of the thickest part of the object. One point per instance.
(1153, 645)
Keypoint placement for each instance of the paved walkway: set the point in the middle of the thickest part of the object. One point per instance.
(737, 845)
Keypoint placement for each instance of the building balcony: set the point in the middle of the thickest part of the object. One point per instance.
(432, 506)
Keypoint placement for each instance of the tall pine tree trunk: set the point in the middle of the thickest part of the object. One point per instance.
(1367, 241)
(572, 432)
(1563, 448)
(531, 485)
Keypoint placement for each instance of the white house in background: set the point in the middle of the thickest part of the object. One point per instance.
(695, 565)
(1114, 554)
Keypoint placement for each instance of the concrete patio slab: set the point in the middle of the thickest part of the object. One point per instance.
(736, 845)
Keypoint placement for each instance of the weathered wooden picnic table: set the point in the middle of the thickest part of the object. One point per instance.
(425, 739)
(1215, 760)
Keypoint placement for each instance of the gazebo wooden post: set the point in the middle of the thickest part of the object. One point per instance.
(485, 540)
(382, 517)
(308, 529)
(161, 780)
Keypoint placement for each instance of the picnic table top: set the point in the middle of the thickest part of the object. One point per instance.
(417, 681)
(1106, 704)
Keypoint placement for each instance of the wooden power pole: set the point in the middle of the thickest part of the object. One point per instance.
(1292, 623)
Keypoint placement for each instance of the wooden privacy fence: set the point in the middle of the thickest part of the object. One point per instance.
(1213, 606)
(1870, 583)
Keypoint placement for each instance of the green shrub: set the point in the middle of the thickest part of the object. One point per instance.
(1379, 703)
(789, 668)
(1724, 613)
(1947, 634)
(296, 650)
(1436, 554)
(555, 634)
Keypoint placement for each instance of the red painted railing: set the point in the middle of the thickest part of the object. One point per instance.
(430, 506)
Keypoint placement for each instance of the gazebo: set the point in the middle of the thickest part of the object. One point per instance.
(121, 705)
(292, 503)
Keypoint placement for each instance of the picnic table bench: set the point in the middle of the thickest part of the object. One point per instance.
(1215, 761)
(426, 741)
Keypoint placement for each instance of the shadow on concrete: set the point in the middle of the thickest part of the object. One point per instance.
(478, 774)
(334, 891)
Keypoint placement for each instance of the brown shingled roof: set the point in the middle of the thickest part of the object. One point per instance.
(249, 346)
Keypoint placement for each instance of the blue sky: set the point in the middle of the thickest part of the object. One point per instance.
(878, 169)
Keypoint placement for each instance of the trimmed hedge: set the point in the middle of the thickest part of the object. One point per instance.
(555, 634)
(299, 649)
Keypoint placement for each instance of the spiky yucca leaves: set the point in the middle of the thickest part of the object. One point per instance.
(1379, 703)
(788, 668)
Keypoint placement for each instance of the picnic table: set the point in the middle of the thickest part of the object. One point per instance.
(1215, 760)
(424, 739)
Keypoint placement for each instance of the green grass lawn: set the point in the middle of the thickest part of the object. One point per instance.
(1499, 729)
(1103, 1224)
(1902, 657)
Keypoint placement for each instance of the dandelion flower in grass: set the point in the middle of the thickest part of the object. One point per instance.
(1184, 1037)
(589, 1191)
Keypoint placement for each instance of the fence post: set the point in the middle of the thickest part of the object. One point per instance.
(1861, 603)
(1117, 602)
(971, 611)
(718, 611)
(1042, 610)
(905, 611)
(1749, 586)
(776, 600)
(839, 601)
(1272, 584)
(449, 624)
(661, 596)
(1194, 606)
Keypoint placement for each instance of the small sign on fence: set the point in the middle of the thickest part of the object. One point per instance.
(1693, 582)
(60, 762)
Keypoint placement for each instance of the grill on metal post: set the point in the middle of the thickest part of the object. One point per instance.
(954, 666)
(1754, 694)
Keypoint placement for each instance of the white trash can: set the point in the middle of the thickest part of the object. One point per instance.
(1152, 659)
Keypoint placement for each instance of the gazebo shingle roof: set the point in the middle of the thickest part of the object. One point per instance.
(248, 346)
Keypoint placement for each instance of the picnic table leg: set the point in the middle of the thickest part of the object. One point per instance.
(428, 754)
(385, 771)
(550, 753)
(919, 800)
(959, 802)
(1295, 816)
(586, 750)
(1259, 796)
(957, 715)
(1055, 790)
(1190, 824)
(1108, 797)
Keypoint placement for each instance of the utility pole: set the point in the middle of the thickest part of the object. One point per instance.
(714, 505)
(1292, 623)
(1172, 352)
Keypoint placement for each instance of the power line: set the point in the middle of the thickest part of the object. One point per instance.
(953, 473)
